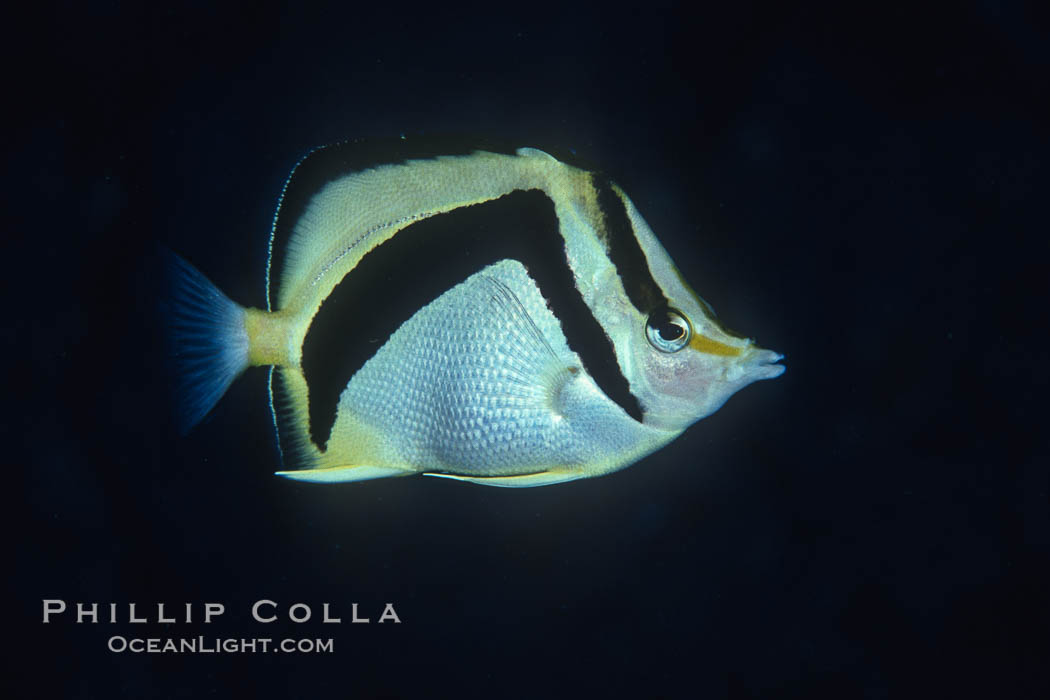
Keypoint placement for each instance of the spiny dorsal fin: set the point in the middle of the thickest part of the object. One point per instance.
(352, 215)
(304, 191)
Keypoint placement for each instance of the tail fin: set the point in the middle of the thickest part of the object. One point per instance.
(208, 341)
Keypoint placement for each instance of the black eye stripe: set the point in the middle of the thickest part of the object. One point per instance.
(625, 252)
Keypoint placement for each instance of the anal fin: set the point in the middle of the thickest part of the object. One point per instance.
(516, 481)
(332, 475)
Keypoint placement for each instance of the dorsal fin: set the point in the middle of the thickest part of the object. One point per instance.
(327, 164)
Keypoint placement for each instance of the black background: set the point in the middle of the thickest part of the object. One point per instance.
(859, 187)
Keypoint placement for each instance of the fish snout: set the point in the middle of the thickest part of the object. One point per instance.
(753, 365)
(762, 364)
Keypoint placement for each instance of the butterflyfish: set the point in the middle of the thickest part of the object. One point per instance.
(541, 334)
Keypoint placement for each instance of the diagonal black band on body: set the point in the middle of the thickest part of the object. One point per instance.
(624, 250)
(424, 260)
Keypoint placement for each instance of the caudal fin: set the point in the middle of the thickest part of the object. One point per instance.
(207, 340)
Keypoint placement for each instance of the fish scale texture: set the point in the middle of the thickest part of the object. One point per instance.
(482, 382)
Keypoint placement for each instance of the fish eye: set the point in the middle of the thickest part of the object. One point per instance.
(668, 330)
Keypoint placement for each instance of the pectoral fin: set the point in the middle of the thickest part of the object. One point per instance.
(516, 481)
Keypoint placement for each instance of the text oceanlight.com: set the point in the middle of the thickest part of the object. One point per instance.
(215, 645)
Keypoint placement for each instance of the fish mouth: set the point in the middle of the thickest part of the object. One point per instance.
(762, 364)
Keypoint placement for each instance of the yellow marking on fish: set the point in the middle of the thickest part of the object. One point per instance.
(267, 337)
(702, 343)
